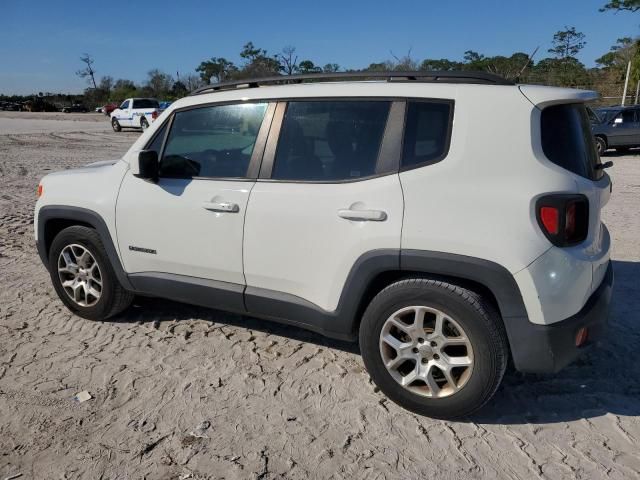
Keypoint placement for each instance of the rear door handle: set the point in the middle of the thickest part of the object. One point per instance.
(227, 207)
(366, 215)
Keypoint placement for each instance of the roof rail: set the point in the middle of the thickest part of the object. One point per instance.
(424, 76)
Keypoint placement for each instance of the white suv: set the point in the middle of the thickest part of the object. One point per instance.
(449, 221)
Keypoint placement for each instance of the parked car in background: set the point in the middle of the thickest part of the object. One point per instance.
(75, 108)
(135, 113)
(98, 110)
(616, 127)
(11, 107)
(108, 108)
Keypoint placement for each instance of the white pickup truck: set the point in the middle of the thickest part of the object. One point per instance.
(135, 113)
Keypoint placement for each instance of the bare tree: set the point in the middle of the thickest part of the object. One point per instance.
(191, 81)
(405, 63)
(87, 72)
(288, 60)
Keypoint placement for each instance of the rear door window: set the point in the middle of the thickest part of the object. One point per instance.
(567, 140)
(330, 140)
(427, 132)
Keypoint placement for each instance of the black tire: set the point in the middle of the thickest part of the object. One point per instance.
(113, 298)
(478, 318)
(601, 145)
(115, 125)
(144, 124)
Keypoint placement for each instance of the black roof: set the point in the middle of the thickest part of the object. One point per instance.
(423, 76)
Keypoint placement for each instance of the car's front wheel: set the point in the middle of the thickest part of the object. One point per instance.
(601, 145)
(115, 125)
(83, 276)
(434, 348)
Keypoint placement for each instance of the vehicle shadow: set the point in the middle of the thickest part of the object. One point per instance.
(149, 310)
(603, 381)
(614, 153)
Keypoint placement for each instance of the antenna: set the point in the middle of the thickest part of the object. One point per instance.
(528, 62)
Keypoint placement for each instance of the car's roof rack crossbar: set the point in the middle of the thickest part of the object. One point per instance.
(426, 76)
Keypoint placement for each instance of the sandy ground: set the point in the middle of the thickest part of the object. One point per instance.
(184, 392)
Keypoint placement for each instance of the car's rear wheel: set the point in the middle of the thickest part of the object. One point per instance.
(115, 125)
(601, 145)
(144, 124)
(83, 276)
(434, 348)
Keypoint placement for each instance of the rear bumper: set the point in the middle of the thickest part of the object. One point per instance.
(549, 348)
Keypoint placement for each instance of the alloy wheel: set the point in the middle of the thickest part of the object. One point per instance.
(426, 351)
(80, 275)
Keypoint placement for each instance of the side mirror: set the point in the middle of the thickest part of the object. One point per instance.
(148, 165)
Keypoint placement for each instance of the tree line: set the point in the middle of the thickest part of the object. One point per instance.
(558, 66)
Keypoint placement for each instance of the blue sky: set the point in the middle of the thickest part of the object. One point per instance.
(41, 41)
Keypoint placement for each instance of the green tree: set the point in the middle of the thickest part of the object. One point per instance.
(159, 83)
(307, 66)
(567, 43)
(331, 68)
(179, 90)
(257, 63)
(217, 68)
(439, 65)
(621, 5)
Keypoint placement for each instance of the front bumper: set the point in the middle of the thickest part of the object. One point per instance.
(549, 348)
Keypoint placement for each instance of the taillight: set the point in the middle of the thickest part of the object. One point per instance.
(550, 217)
(564, 219)
(154, 114)
(39, 191)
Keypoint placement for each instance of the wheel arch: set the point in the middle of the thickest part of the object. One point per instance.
(484, 277)
(52, 219)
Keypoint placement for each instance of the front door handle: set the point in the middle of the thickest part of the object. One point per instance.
(366, 215)
(226, 207)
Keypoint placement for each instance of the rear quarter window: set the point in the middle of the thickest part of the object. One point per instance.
(427, 132)
(567, 140)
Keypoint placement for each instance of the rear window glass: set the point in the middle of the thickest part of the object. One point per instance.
(567, 140)
(145, 103)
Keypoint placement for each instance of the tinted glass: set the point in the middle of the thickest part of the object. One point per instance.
(628, 116)
(124, 105)
(426, 137)
(567, 140)
(328, 141)
(145, 103)
(156, 143)
(212, 141)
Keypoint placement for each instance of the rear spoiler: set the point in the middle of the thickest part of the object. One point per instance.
(542, 96)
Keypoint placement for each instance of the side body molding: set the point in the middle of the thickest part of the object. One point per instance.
(341, 323)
